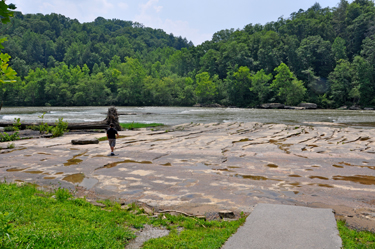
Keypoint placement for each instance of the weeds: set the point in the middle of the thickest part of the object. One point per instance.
(11, 146)
(60, 128)
(44, 127)
(355, 239)
(5, 137)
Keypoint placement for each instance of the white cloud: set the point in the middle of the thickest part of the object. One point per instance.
(150, 17)
(151, 13)
(182, 28)
(84, 10)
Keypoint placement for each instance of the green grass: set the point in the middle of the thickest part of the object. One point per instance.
(103, 139)
(30, 218)
(139, 125)
(355, 239)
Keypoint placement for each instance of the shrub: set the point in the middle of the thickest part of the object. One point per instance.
(5, 137)
(60, 128)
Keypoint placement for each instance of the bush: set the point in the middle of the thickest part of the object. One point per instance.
(60, 128)
(5, 137)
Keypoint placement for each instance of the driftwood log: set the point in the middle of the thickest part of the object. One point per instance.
(112, 117)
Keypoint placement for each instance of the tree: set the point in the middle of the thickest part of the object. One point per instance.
(238, 85)
(7, 74)
(363, 82)
(314, 52)
(6, 11)
(260, 85)
(288, 89)
(341, 79)
(339, 49)
(206, 88)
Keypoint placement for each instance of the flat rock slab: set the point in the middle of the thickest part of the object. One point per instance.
(282, 226)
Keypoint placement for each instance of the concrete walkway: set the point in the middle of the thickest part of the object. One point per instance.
(280, 226)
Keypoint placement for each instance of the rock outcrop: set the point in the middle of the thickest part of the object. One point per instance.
(308, 105)
(355, 108)
(272, 106)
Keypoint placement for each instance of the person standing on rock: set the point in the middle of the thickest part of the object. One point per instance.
(111, 135)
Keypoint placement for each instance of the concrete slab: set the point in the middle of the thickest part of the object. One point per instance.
(282, 226)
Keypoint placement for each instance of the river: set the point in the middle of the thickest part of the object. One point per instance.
(180, 115)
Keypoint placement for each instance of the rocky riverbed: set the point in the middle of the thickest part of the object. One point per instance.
(204, 168)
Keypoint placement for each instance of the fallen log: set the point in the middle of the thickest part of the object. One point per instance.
(112, 117)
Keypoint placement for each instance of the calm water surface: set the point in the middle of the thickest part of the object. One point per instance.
(180, 115)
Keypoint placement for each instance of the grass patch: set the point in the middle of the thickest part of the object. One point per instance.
(355, 239)
(31, 218)
(139, 125)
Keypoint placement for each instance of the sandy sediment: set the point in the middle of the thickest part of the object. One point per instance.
(202, 168)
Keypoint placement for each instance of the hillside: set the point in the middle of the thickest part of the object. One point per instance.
(319, 55)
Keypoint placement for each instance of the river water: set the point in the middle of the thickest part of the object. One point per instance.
(180, 115)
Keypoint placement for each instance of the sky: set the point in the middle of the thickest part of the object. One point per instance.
(195, 20)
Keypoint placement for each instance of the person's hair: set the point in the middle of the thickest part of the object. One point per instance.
(111, 125)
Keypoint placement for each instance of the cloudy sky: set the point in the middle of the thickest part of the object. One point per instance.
(197, 20)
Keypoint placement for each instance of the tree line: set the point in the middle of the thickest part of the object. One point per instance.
(320, 55)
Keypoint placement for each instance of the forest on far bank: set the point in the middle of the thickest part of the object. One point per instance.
(320, 55)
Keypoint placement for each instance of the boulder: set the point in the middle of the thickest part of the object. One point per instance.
(308, 105)
(355, 107)
(368, 108)
(272, 106)
(276, 106)
(294, 107)
(343, 107)
(84, 141)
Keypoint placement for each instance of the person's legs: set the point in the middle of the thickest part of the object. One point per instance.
(112, 144)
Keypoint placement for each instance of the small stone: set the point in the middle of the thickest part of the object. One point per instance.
(226, 214)
(125, 207)
(97, 204)
(148, 211)
(201, 217)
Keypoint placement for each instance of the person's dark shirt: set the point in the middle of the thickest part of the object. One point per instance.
(111, 132)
